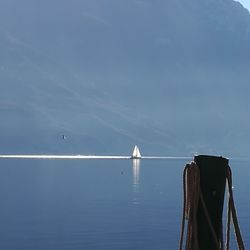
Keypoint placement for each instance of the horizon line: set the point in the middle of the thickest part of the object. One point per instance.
(121, 157)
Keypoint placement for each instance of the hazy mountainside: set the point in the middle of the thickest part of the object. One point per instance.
(171, 76)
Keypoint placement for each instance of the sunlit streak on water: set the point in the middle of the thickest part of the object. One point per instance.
(136, 172)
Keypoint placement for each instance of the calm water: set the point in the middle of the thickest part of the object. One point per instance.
(96, 204)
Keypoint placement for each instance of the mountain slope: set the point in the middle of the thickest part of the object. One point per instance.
(171, 76)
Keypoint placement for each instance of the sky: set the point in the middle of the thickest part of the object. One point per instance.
(245, 3)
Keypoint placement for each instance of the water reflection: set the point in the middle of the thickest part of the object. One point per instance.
(136, 173)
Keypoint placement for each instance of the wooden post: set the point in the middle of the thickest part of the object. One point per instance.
(213, 171)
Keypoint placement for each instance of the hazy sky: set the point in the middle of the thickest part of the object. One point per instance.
(245, 3)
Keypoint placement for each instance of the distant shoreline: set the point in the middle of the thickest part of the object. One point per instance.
(103, 157)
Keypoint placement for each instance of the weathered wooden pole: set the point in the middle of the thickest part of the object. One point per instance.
(213, 173)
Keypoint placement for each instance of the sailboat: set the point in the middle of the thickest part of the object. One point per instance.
(136, 153)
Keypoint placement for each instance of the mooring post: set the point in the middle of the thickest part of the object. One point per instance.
(213, 173)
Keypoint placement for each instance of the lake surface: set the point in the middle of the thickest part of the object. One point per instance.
(100, 204)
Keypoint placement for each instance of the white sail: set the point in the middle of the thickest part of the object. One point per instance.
(136, 153)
